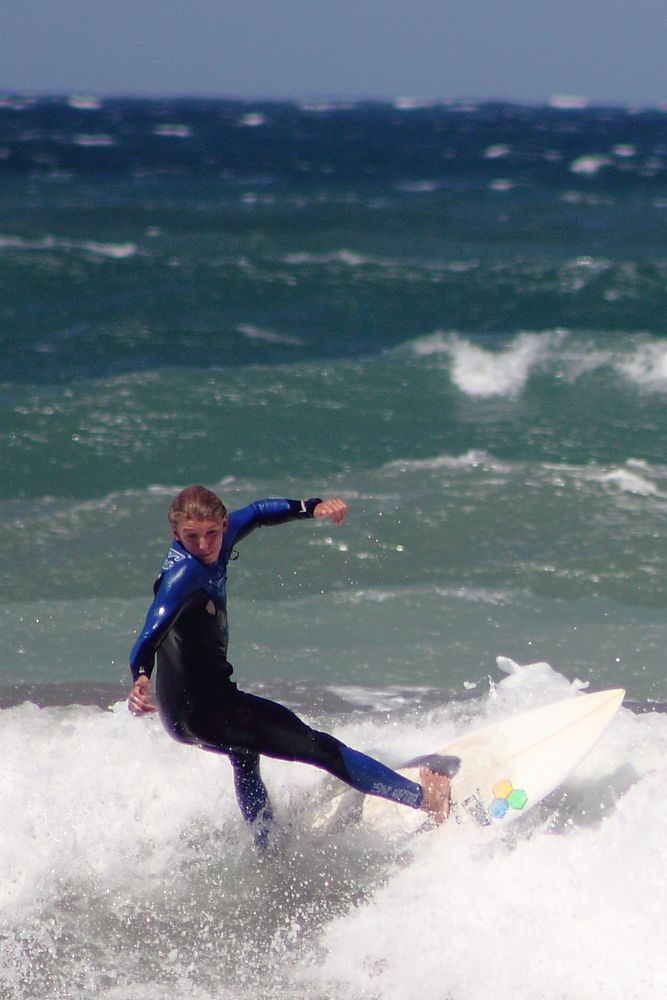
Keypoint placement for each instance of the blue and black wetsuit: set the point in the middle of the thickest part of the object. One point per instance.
(186, 627)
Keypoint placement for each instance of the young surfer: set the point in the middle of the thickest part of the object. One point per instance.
(186, 630)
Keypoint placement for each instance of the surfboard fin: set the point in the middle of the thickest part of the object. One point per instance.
(438, 763)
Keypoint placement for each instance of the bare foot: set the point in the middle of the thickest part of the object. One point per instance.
(436, 791)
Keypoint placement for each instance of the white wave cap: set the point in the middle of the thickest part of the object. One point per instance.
(497, 151)
(94, 140)
(84, 102)
(628, 481)
(484, 374)
(117, 251)
(568, 102)
(253, 119)
(647, 366)
(268, 336)
(172, 131)
(590, 164)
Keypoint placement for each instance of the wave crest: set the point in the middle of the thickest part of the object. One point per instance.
(492, 372)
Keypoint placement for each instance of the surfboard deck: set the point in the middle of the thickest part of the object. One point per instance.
(506, 768)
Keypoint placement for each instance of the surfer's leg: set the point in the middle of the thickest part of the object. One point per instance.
(371, 777)
(265, 727)
(251, 794)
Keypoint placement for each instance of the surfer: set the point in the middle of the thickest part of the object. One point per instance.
(186, 630)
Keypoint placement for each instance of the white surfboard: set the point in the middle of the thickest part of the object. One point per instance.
(508, 767)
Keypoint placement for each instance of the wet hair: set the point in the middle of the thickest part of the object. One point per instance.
(195, 503)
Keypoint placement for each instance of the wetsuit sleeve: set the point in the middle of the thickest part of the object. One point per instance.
(267, 512)
(173, 590)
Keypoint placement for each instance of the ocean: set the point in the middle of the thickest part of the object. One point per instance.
(451, 315)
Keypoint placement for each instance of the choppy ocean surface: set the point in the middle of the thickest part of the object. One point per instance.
(454, 317)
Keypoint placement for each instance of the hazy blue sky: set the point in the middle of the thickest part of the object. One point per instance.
(611, 51)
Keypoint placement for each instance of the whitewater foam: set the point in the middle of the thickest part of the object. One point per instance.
(482, 373)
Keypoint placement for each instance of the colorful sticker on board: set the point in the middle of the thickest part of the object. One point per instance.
(506, 797)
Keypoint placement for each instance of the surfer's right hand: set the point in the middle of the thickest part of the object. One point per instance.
(140, 700)
(436, 791)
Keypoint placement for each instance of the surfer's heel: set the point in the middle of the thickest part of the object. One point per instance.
(438, 763)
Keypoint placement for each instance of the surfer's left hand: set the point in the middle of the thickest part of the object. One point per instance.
(334, 509)
(139, 700)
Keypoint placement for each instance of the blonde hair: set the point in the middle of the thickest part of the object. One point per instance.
(195, 503)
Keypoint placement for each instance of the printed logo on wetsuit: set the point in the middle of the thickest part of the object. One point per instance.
(172, 558)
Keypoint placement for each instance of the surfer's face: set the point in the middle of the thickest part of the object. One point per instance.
(202, 539)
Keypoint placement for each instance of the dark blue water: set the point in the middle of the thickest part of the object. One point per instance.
(455, 315)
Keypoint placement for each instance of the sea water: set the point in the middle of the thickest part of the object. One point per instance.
(451, 316)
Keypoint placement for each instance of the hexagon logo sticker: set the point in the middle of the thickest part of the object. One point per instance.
(505, 798)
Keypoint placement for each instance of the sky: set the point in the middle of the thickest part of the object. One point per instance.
(608, 51)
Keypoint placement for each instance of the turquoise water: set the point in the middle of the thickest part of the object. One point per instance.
(452, 317)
